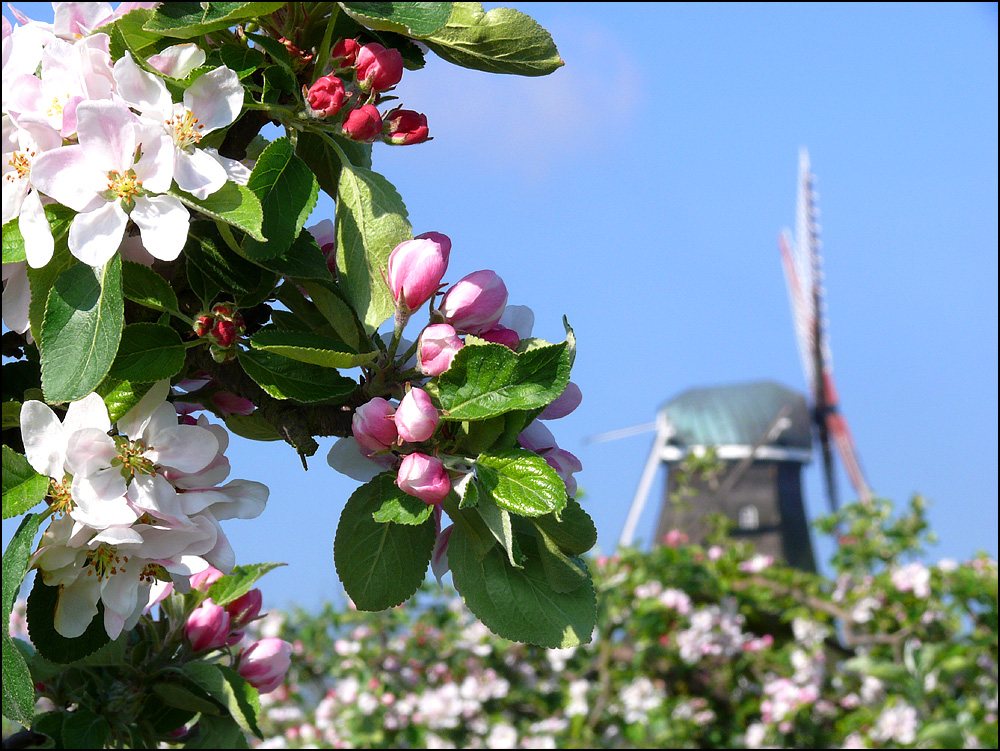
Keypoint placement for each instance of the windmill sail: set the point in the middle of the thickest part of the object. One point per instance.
(804, 274)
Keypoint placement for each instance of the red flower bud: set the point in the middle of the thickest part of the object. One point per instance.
(326, 96)
(224, 333)
(424, 477)
(244, 609)
(378, 69)
(363, 124)
(405, 127)
(203, 325)
(344, 53)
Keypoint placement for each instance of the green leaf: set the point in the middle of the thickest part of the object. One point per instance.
(120, 396)
(488, 380)
(253, 427)
(233, 204)
(127, 34)
(222, 267)
(303, 260)
(278, 79)
(284, 378)
(13, 243)
(233, 586)
(242, 60)
(401, 508)
(564, 574)
(501, 41)
(370, 222)
(201, 284)
(380, 565)
(498, 521)
(18, 690)
(228, 688)
(50, 724)
(519, 604)
(336, 311)
(148, 352)
(23, 487)
(218, 732)
(287, 191)
(82, 327)
(143, 285)
(308, 347)
(324, 161)
(84, 729)
(11, 414)
(181, 697)
(521, 482)
(52, 645)
(412, 19)
(188, 20)
(574, 533)
(41, 280)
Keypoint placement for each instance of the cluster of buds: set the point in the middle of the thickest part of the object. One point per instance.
(223, 325)
(400, 437)
(362, 73)
(209, 627)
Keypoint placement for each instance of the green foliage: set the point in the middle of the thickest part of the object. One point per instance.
(82, 328)
(309, 347)
(520, 482)
(143, 285)
(148, 352)
(23, 488)
(284, 378)
(412, 19)
(187, 20)
(380, 563)
(239, 582)
(52, 645)
(233, 204)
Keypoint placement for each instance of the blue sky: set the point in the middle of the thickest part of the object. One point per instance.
(640, 190)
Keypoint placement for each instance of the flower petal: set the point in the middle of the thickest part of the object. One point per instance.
(133, 424)
(44, 440)
(216, 99)
(198, 173)
(38, 242)
(89, 412)
(95, 236)
(107, 131)
(163, 223)
(142, 90)
(67, 175)
(77, 606)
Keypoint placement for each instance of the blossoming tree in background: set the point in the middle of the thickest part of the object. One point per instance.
(157, 265)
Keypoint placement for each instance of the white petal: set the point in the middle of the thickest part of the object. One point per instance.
(95, 236)
(101, 515)
(13, 192)
(38, 242)
(67, 175)
(16, 297)
(235, 171)
(155, 167)
(135, 420)
(89, 412)
(163, 223)
(142, 90)
(184, 447)
(178, 61)
(157, 496)
(77, 606)
(518, 318)
(216, 98)
(198, 173)
(120, 595)
(44, 440)
(107, 131)
(347, 457)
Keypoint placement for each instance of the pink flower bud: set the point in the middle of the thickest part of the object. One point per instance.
(207, 627)
(363, 124)
(500, 335)
(417, 417)
(244, 609)
(415, 271)
(565, 403)
(405, 127)
(424, 477)
(373, 426)
(264, 663)
(436, 348)
(205, 579)
(228, 403)
(326, 96)
(443, 240)
(344, 53)
(475, 303)
(565, 464)
(378, 68)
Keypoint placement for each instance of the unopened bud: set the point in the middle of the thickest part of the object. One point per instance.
(373, 426)
(405, 127)
(224, 333)
(415, 271)
(207, 627)
(344, 53)
(203, 324)
(378, 69)
(416, 417)
(264, 663)
(475, 303)
(244, 609)
(436, 348)
(500, 335)
(424, 477)
(205, 579)
(363, 124)
(326, 96)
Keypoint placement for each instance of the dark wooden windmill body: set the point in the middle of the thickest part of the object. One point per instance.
(761, 436)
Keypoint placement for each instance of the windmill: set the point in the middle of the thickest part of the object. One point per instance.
(762, 432)
(804, 274)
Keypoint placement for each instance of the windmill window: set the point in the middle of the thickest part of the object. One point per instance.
(749, 517)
